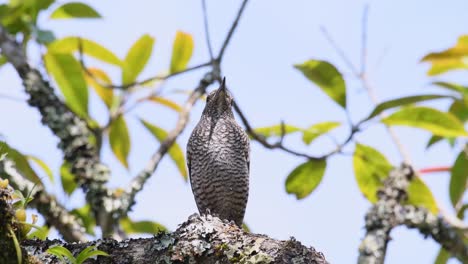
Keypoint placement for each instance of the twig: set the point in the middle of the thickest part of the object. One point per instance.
(207, 30)
(365, 17)
(435, 169)
(227, 40)
(12, 98)
(139, 181)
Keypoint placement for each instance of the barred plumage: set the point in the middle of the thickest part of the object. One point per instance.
(218, 160)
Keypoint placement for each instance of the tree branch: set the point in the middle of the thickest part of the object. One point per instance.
(204, 239)
(227, 40)
(53, 212)
(72, 131)
(389, 212)
(207, 30)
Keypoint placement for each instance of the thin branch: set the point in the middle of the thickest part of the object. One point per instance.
(207, 30)
(139, 181)
(365, 17)
(231, 31)
(12, 98)
(435, 169)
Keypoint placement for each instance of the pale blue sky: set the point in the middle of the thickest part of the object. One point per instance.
(272, 36)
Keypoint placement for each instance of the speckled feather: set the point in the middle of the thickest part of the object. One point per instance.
(218, 160)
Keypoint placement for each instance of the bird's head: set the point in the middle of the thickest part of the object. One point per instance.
(219, 102)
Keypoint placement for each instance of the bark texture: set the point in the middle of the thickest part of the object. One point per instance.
(201, 239)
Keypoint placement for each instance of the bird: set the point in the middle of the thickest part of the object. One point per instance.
(218, 159)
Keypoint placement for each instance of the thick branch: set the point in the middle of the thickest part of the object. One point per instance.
(53, 212)
(390, 212)
(203, 239)
(72, 131)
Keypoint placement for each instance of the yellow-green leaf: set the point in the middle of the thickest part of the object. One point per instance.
(327, 77)
(119, 140)
(175, 151)
(99, 78)
(74, 10)
(435, 121)
(181, 51)
(68, 74)
(442, 257)
(166, 102)
(276, 130)
(88, 47)
(454, 58)
(303, 180)
(68, 179)
(316, 130)
(420, 195)
(40, 233)
(43, 166)
(403, 101)
(137, 58)
(459, 177)
(141, 227)
(87, 217)
(370, 169)
(20, 162)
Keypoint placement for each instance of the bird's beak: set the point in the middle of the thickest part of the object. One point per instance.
(222, 90)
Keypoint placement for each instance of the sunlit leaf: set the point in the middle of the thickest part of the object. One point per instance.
(141, 227)
(68, 179)
(61, 252)
(459, 177)
(86, 216)
(316, 130)
(420, 195)
(89, 252)
(181, 51)
(97, 79)
(370, 169)
(74, 10)
(303, 180)
(20, 162)
(67, 72)
(435, 121)
(175, 151)
(402, 102)
(166, 102)
(41, 233)
(43, 166)
(454, 58)
(137, 58)
(88, 47)
(327, 77)
(119, 140)
(276, 130)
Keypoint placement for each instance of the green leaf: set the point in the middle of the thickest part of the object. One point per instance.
(68, 179)
(120, 140)
(62, 252)
(86, 216)
(276, 130)
(460, 110)
(459, 177)
(88, 47)
(181, 51)
(166, 102)
(20, 162)
(463, 90)
(451, 59)
(442, 257)
(370, 169)
(67, 72)
(40, 233)
(74, 10)
(43, 166)
(175, 151)
(403, 101)
(141, 227)
(327, 77)
(435, 121)
(316, 130)
(303, 180)
(89, 252)
(420, 195)
(137, 58)
(101, 78)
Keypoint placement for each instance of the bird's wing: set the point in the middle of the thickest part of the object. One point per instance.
(189, 160)
(247, 151)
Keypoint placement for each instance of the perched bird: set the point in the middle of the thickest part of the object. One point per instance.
(218, 160)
